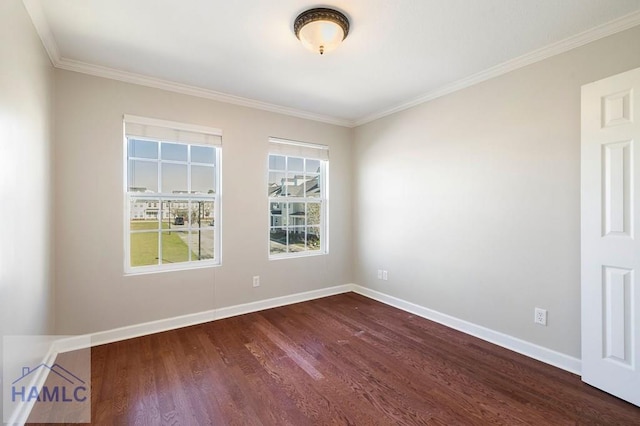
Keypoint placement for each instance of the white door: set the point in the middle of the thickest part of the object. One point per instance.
(610, 246)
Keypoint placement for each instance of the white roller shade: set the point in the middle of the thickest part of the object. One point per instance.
(171, 131)
(298, 149)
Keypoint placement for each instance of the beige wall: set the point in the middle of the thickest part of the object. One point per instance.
(472, 201)
(26, 85)
(92, 292)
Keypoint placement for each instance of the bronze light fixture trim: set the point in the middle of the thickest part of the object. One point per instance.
(321, 29)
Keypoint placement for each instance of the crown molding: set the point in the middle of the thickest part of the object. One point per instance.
(35, 11)
(612, 27)
(143, 80)
(41, 25)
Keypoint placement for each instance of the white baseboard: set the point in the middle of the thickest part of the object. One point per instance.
(523, 347)
(548, 356)
(260, 305)
(143, 329)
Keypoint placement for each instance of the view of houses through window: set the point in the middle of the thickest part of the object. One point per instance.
(296, 205)
(172, 197)
(171, 193)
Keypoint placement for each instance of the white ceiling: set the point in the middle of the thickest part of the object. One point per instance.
(398, 53)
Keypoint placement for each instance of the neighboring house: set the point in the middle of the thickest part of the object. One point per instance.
(142, 209)
(297, 186)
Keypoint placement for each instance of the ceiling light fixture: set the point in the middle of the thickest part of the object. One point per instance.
(321, 29)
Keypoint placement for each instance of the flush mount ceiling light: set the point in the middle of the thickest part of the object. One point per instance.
(321, 30)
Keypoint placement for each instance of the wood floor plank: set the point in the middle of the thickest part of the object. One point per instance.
(343, 360)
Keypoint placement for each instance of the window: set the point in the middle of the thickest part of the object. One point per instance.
(172, 188)
(297, 198)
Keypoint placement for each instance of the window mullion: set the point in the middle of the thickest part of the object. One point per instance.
(189, 169)
(159, 166)
(160, 256)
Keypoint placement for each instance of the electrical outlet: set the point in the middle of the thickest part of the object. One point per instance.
(385, 275)
(540, 316)
(379, 274)
(256, 281)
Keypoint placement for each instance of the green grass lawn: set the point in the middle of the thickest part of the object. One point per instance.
(144, 246)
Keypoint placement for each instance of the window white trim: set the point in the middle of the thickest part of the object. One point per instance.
(323, 201)
(298, 149)
(146, 121)
(189, 197)
(171, 131)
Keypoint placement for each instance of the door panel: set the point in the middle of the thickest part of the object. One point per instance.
(610, 251)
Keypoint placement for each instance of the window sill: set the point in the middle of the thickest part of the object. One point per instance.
(297, 255)
(144, 270)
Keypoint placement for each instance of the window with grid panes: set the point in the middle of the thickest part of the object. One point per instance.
(172, 196)
(297, 199)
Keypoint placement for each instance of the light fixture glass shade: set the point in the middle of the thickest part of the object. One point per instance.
(321, 30)
(321, 36)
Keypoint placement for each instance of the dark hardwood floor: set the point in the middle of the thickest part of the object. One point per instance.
(344, 360)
